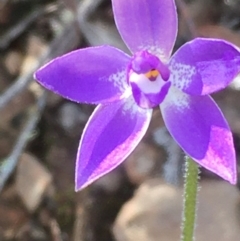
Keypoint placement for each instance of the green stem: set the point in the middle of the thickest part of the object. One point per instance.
(190, 200)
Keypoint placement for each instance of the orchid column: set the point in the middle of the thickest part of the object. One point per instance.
(127, 88)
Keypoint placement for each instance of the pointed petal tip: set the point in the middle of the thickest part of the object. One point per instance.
(230, 176)
(36, 74)
(221, 160)
(233, 180)
(77, 188)
(220, 156)
(219, 167)
(38, 77)
(227, 173)
(80, 186)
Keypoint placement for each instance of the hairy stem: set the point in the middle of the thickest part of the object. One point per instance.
(190, 200)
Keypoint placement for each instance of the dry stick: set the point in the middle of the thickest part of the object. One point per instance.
(16, 30)
(55, 230)
(65, 41)
(95, 30)
(9, 164)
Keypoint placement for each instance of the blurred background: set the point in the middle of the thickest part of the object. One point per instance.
(39, 134)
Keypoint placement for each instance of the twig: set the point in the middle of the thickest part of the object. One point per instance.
(96, 30)
(10, 162)
(55, 230)
(15, 31)
(65, 41)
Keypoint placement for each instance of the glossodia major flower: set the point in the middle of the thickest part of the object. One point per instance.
(126, 88)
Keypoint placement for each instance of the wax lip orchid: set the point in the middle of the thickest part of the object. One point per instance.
(126, 89)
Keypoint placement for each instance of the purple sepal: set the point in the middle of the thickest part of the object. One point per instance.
(111, 134)
(204, 66)
(92, 75)
(147, 25)
(199, 127)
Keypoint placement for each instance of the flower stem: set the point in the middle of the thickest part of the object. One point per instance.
(190, 200)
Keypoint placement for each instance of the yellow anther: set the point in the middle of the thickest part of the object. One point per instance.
(152, 74)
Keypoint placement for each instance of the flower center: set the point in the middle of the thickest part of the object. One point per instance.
(148, 78)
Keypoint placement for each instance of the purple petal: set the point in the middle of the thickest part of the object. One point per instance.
(93, 75)
(147, 25)
(204, 66)
(112, 132)
(198, 126)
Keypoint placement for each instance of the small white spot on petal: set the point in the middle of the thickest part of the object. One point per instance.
(176, 98)
(119, 79)
(130, 108)
(181, 74)
(131, 105)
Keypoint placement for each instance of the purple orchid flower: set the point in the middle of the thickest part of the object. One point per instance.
(126, 88)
